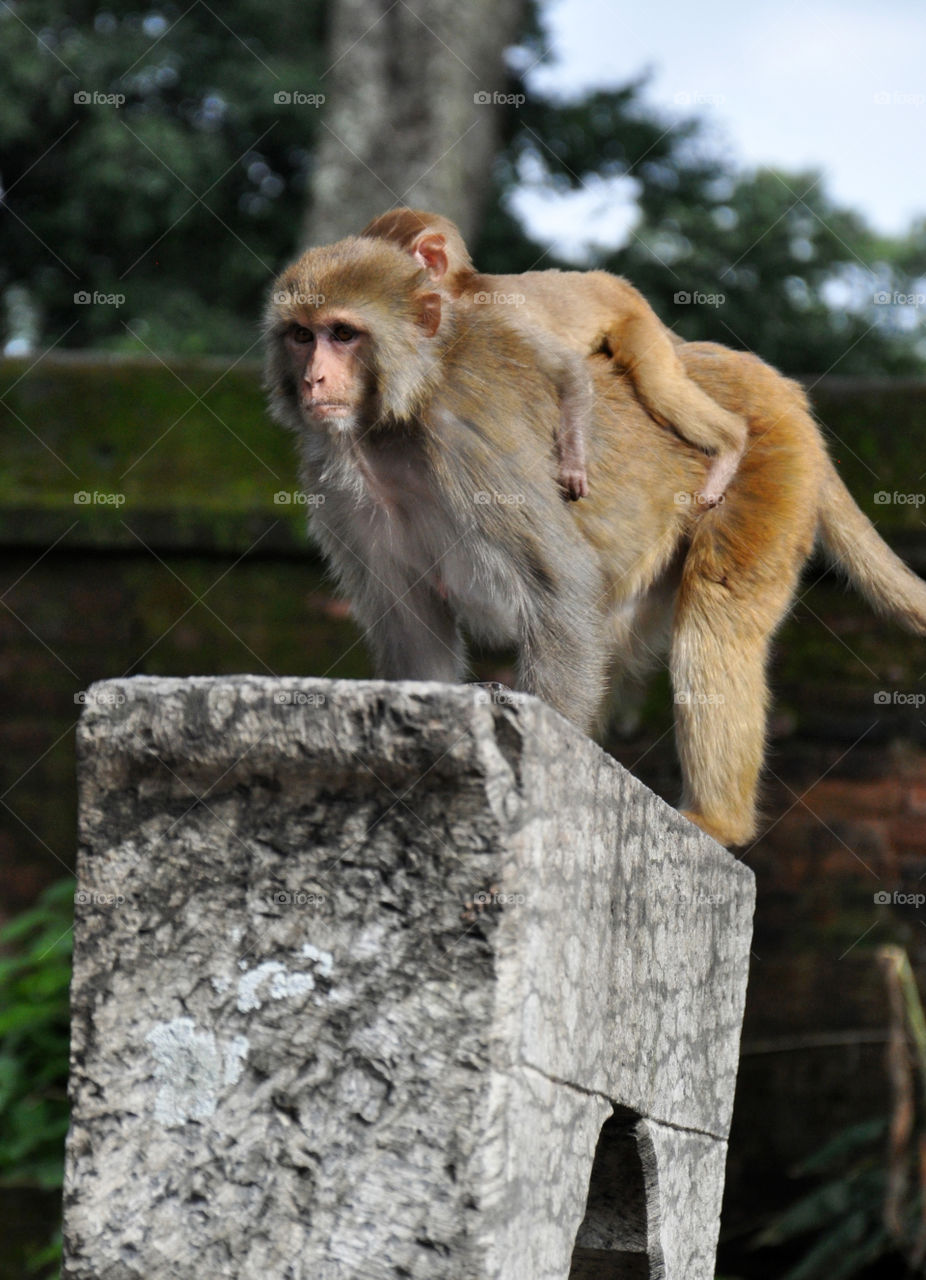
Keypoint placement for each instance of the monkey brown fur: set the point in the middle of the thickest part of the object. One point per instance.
(583, 310)
(425, 425)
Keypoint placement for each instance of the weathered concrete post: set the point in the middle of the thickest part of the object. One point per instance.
(390, 980)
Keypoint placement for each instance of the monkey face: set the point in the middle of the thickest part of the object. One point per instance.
(330, 357)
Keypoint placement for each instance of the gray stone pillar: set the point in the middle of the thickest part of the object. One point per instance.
(393, 981)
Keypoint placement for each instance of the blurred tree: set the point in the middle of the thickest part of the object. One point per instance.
(415, 92)
(187, 196)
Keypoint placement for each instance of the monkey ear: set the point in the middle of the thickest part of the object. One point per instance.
(429, 313)
(430, 252)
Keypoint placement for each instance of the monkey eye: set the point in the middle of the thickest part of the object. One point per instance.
(343, 332)
(299, 333)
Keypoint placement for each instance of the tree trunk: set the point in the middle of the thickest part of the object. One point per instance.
(411, 116)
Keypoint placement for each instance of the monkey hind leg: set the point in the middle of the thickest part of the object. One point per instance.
(641, 342)
(734, 592)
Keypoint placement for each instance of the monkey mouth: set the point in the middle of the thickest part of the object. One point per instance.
(326, 408)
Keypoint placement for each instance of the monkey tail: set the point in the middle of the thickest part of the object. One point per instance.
(853, 546)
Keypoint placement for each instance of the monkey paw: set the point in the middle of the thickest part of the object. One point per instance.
(574, 483)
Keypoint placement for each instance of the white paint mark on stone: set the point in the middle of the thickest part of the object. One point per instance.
(272, 980)
(192, 1069)
(324, 959)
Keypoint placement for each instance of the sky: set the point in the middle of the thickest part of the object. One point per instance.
(837, 85)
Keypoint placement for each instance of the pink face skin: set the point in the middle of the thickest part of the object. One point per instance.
(330, 358)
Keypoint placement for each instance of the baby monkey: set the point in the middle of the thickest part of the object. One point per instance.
(581, 311)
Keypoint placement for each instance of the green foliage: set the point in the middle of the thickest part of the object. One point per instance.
(766, 262)
(843, 1215)
(868, 1206)
(35, 971)
(144, 199)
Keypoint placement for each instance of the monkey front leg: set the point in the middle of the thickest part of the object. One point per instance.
(411, 632)
(571, 377)
(563, 658)
(574, 386)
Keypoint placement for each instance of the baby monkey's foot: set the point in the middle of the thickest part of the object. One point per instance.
(574, 482)
(721, 471)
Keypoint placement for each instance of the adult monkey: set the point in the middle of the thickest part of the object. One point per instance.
(582, 310)
(426, 426)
